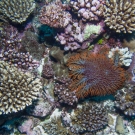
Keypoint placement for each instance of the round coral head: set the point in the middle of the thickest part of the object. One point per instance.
(94, 75)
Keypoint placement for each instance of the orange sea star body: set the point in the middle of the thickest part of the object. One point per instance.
(94, 74)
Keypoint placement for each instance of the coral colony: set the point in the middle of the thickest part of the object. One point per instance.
(67, 67)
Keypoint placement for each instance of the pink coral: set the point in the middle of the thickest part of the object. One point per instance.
(74, 35)
(88, 9)
(26, 127)
(54, 15)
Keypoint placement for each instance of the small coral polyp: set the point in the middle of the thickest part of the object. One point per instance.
(94, 75)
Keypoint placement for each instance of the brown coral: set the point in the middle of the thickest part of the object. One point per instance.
(94, 74)
(17, 90)
(120, 15)
(90, 117)
(125, 99)
(17, 10)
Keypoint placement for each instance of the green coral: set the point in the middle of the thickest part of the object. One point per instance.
(91, 29)
(100, 41)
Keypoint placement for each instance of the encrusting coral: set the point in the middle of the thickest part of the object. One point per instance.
(17, 10)
(17, 90)
(119, 15)
(94, 74)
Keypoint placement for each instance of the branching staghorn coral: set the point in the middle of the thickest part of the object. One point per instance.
(119, 15)
(17, 10)
(17, 90)
(94, 74)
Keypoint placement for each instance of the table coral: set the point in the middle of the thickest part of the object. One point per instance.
(17, 10)
(119, 15)
(94, 74)
(17, 90)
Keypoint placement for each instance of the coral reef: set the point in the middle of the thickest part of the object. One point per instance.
(131, 71)
(67, 67)
(54, 15)
(94, 74)
(17, 90)
(125, 99)
(120, 56)
(88, 10)
(119, 15)
(17, 10)
(11, 42)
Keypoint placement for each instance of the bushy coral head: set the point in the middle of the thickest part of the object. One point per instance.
(54, 15)
(17, 90)
(119, 15)
(94, 74)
